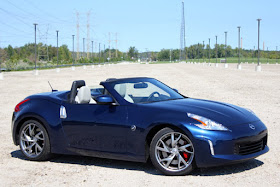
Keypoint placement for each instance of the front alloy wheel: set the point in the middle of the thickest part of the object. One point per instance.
(172, 152)
(34, 141)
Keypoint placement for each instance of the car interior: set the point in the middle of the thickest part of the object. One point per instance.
(82, 94)
(139, 92)
(121, 89)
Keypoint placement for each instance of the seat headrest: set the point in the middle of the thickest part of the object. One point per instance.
(84, 95)
(75, 85)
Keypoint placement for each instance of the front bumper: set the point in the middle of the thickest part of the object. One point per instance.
(214, 148)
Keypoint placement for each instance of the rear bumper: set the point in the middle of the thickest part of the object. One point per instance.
(214, 148)
(13, 130)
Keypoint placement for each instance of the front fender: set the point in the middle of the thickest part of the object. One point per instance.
(147, 120)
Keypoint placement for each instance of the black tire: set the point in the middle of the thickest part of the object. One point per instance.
(26, 140)
(170, 168)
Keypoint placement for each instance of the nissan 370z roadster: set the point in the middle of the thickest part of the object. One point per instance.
(137, 119)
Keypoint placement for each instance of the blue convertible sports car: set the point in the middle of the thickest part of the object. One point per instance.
(136, 119)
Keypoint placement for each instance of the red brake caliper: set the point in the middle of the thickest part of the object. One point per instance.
(186, 156)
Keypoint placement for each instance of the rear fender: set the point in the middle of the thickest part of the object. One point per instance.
(46, 112)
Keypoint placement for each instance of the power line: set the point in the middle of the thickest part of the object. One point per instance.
(13, 27)
(33, 15)
(15, 17)
(13, 34)
(42, 10)
(20, 8)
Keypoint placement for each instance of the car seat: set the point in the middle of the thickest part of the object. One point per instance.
(84, 96)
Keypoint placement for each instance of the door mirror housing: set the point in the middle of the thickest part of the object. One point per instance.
(104, 100)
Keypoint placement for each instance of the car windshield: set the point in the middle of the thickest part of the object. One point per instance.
(144, 90)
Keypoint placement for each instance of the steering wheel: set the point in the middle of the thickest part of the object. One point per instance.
(152, 96)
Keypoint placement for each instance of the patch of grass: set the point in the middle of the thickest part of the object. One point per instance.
(229, 60)
(162, 62)
(235, 60)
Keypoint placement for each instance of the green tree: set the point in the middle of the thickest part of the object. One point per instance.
(132, 53)
(164, 55)
(153, 56)
(10, 51)
(3, 55)
(175, 54)
(64, 53)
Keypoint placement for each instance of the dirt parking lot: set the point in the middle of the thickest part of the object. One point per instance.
(259, 91)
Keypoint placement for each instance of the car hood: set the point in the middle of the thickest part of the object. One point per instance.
(223, 113)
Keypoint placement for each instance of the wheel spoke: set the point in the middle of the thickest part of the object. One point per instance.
(26, 137)
(165, 147)
(38, 135)
(162, 149)
(39, 147)
(172, 140)
(176, 141)
(30, 146)
(183, 148)
(36, 152)
(168, 159)
(31, 130)
(181, 159)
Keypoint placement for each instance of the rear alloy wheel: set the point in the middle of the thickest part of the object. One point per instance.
(172, 152)
(34, 141)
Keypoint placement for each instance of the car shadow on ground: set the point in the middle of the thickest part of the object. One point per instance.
(228, 169)
(146, 167)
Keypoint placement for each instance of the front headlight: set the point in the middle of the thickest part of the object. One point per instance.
(207, 124)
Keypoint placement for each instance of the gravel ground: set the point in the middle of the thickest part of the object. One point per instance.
(259, 91)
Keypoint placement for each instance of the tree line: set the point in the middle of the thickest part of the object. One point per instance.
(199, 51)
(47, 54)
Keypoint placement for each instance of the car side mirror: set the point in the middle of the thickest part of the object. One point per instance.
(104, 100)
(175, 90)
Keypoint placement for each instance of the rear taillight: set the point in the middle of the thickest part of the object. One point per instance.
(17, 108)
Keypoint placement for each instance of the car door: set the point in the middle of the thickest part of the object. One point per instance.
(96, 127)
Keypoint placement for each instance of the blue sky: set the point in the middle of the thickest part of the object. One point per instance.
(145, 24)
